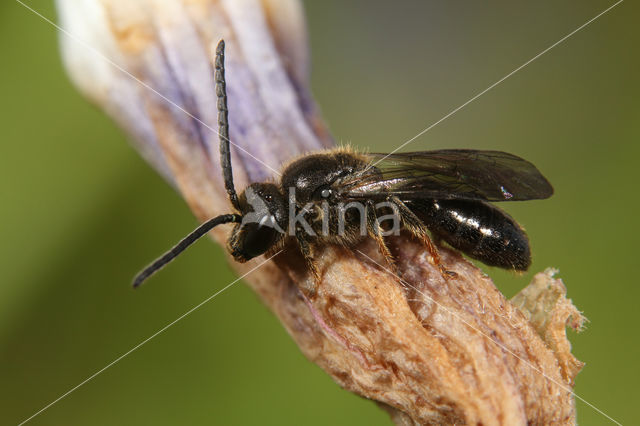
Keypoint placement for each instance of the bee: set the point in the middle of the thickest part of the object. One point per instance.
(442, 192)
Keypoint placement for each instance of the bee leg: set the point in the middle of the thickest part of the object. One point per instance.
(414, 225)
(375, 231)
(307, 253)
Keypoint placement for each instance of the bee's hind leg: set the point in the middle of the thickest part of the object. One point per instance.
(414, 225)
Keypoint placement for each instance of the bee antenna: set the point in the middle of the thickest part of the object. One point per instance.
(223, 125)
(182, 245)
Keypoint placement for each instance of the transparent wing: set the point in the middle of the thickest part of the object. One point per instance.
(446, 174)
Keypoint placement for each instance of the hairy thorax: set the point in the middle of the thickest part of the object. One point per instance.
(312, 185)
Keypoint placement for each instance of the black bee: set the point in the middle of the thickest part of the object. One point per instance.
(337, 196)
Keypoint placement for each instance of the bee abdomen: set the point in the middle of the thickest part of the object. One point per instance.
(477, 229)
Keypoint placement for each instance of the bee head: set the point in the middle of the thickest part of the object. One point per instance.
(264, 221)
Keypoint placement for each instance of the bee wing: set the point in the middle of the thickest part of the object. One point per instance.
(446, 174)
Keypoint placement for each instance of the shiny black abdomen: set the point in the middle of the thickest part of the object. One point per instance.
(478, 229)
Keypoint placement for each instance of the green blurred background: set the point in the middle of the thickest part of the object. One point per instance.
(81, 212)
